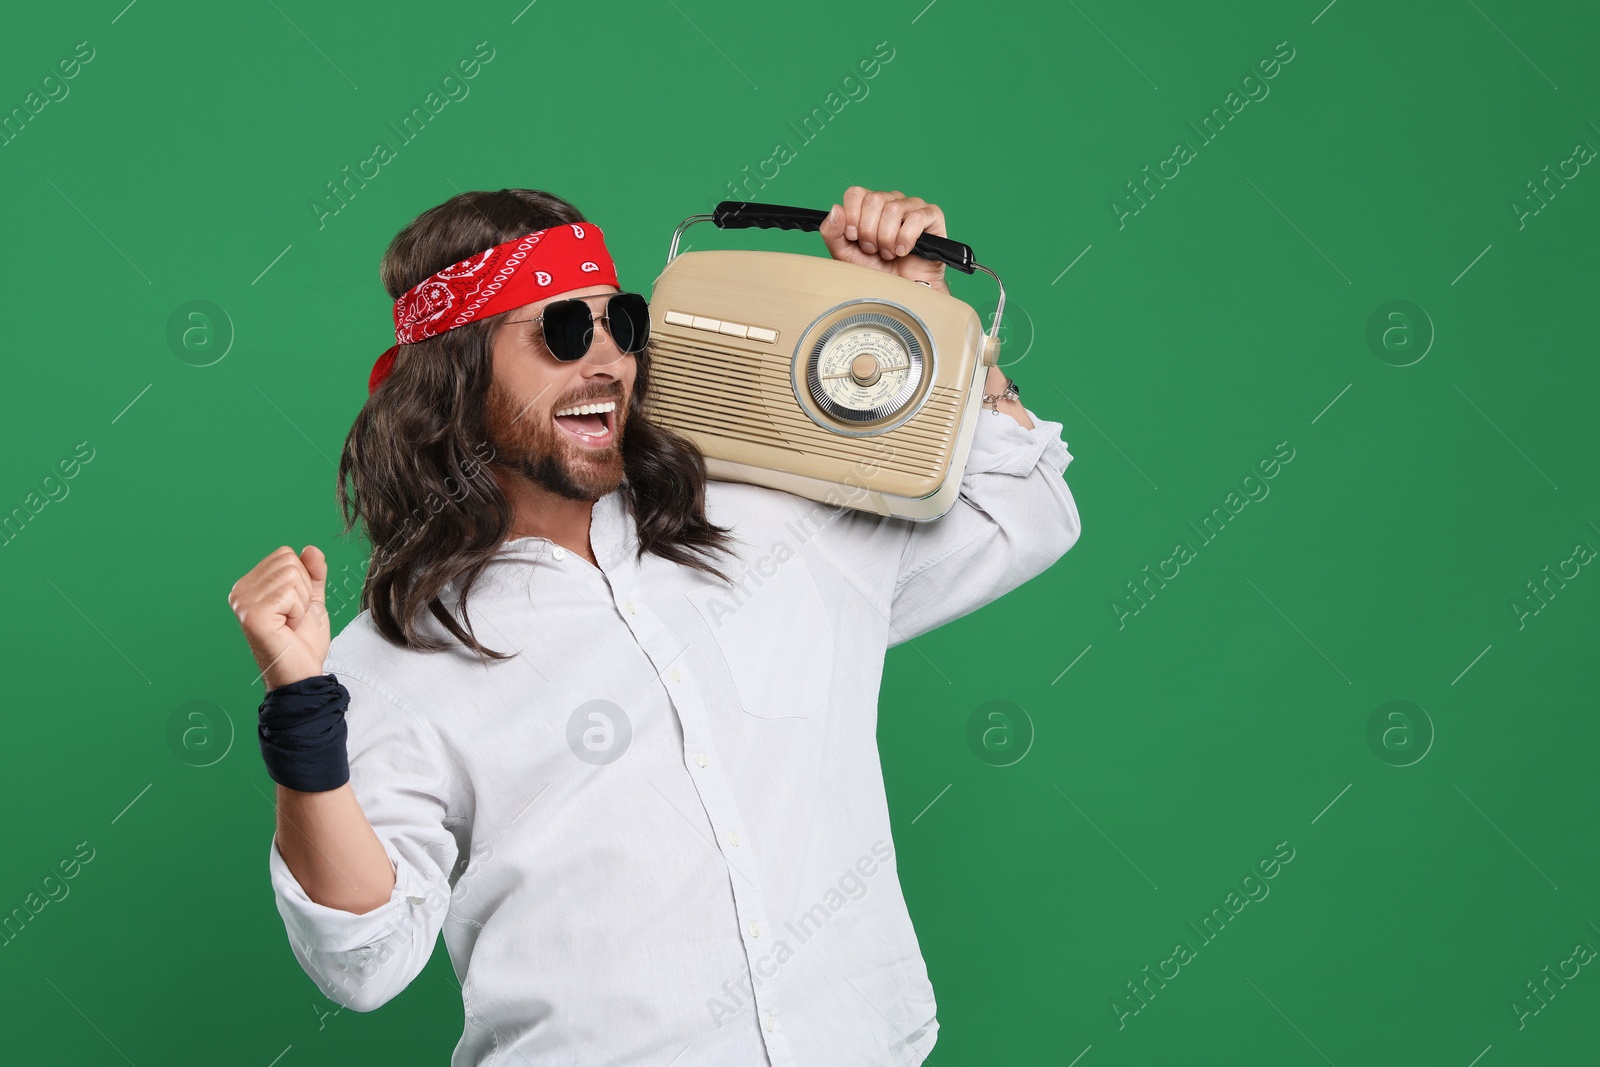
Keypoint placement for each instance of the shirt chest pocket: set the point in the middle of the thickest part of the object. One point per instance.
(776, 638)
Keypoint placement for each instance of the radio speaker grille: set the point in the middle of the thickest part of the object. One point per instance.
(703, 388)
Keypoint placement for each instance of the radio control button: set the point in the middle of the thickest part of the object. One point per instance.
(679, 318)
(703, 323)
(760, 333)
(732, 329)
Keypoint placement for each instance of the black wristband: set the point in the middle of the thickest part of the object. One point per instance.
(302, 732)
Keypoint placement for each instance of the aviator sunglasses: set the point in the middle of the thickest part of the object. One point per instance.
(569, 325)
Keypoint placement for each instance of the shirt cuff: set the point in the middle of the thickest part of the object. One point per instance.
(1001, 445)
(324, 930)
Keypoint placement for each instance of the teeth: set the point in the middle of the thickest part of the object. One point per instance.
(589, 409)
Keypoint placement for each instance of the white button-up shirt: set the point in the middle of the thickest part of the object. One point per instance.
(658, 833)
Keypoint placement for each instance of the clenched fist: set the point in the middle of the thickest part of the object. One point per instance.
(281, 605)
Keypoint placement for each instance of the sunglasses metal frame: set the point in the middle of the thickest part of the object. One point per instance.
(593, 320)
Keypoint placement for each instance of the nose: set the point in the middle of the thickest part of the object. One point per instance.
(604, 352)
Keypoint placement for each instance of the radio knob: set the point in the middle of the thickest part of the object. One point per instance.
(864, 369)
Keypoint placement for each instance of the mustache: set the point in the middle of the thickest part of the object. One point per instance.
(590, 398)
(616, 393)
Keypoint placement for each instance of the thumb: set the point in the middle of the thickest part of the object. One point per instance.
(316, 565)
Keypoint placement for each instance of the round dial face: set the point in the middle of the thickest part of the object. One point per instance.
(864, 368)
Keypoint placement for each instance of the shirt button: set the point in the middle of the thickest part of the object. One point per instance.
(558, 552)
(700, 758)
(628, 604)
(674, 675)
(733, 839)
(772, 1021)
(755, 929)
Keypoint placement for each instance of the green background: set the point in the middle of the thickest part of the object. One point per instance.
(1229, 314)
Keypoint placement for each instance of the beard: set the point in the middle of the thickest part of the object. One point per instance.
(528, 444)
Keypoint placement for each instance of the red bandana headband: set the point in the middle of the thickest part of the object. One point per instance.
(530, 268)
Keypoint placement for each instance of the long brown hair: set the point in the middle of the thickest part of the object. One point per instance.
(415, 469)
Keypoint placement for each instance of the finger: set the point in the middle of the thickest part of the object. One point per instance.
(832, 231)
(285, 593)
(262, 571)
(260, 588)
(304, 590)
(268, 564)
(867, 224)
(294, 574)
(295, 606)
(286, 600)
(316, 565)
(853, 198)
(889, 228)
(841, 247)
(913, 225)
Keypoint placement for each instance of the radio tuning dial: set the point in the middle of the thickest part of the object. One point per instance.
(864, 368)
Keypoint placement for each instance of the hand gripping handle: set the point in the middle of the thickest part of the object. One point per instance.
(741, 214)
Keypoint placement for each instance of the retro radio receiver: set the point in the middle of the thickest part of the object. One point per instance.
(829, 380)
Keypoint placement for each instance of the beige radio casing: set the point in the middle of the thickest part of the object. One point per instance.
(736, 398)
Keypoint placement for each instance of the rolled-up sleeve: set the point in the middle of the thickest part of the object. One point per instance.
(1014, 517)
(402, 779)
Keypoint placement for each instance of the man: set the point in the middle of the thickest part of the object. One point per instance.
(651, 821)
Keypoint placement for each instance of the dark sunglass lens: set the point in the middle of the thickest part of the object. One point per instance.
(629, 316)
(568, 329)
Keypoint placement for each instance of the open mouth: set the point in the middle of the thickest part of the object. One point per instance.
(591, 425)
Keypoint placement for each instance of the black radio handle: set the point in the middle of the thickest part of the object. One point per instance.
(741, 214)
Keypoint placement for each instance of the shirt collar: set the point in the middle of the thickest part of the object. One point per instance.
(612, 535)
(611, 530)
